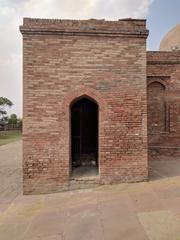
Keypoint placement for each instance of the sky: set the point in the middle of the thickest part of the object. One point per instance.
(161, 16)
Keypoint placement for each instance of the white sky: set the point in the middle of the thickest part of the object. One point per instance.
(11, 16)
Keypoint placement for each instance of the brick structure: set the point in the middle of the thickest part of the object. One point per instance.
(163, 79)
(89, 87)
(65, 60)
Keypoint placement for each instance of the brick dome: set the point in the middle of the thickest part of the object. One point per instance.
(171, 41)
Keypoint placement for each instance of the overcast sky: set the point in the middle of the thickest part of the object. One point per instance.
(161, 16)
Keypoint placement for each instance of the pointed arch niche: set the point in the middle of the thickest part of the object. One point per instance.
(157, 119)
(85, 121)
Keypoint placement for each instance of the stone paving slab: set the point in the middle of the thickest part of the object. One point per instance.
(10, 173)
(46, 224)
(160, 225)
(140, 211)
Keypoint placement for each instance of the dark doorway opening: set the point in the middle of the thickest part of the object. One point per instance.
(84, 138)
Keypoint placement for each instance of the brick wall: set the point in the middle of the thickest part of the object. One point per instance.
(156, 108)
(163, 77)
(64, 60)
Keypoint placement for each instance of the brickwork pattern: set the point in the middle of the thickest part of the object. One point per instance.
(156, 108)
(164, 68)
(64, 60)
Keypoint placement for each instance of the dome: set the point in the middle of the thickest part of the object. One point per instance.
(171, 41)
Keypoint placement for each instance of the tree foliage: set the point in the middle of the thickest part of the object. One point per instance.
(4, 102)
(13, 119)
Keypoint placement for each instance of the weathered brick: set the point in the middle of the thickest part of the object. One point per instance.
(64, 60)
(163, 79)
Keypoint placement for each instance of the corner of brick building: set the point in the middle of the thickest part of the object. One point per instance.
(66, 59)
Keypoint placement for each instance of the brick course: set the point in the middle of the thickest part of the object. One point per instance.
(67, 59)
(163, 68)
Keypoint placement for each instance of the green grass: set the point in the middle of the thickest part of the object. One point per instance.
(9, 136)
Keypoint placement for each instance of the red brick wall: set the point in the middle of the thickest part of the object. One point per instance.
(156, 108)
(63, 60)
(163, 72)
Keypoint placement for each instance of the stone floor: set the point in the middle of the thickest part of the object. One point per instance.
(85, 171)
(142, 211)
(10, 173)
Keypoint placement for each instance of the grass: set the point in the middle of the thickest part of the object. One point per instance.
(9, 136)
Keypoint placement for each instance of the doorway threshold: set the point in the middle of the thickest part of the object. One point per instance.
(84, 177)
(85, 172)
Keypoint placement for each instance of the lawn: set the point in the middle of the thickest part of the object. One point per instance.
(9, 136)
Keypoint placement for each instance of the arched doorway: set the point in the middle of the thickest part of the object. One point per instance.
(84, 137)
